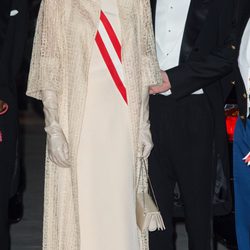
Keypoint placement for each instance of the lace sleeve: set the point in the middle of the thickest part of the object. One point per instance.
(45, 69)
(150, 67)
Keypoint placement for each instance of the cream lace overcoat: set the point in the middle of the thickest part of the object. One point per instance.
(60, 62)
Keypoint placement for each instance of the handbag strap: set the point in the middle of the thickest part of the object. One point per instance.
(143, 166)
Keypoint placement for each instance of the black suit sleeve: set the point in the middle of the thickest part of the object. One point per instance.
(5, 8)
(193, 75)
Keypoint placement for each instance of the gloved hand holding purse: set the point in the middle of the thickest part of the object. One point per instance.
(147, 211)
(56, 140)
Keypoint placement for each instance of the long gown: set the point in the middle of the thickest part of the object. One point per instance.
(105, 157)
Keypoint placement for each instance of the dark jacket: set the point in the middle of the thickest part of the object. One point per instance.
(13, 30)
(208, 52)
(236, 79)
(12, 41)
(4, 19)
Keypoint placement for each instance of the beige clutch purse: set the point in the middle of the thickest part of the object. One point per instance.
(147, 211)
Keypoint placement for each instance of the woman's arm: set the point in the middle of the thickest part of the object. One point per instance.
(150, 75)
(45, 79)
(149, 64)
(56, 140)
(46, 63)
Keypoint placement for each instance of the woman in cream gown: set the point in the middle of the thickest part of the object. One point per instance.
(92, 64)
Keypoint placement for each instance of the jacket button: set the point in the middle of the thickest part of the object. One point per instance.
(233, 82)
(245, 95)
(233, 47)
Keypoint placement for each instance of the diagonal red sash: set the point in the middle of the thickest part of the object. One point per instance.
(106, 56)
(112, 35)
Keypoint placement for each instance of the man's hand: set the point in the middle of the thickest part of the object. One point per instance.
(162, 88)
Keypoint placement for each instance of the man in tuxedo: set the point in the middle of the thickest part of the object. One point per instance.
(13, 30)
(197, 46)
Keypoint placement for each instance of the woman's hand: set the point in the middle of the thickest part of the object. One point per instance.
(57, 147)
(162, 88)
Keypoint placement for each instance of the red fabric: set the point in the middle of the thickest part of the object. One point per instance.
(112, 35)
(106, 57)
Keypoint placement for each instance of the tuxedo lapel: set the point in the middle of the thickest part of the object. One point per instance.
(197, 14)
(153, 9)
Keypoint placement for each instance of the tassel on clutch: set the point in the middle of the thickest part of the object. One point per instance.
(147, 210)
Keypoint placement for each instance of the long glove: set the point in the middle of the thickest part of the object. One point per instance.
(145, 139)
(145, 147)
(56, 140)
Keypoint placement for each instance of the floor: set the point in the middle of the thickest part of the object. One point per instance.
(27, 235)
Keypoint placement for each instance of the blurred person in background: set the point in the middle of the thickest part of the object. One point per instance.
(241, 145)
(13, 26)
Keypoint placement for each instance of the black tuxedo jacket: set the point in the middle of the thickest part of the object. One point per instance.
(12, 44)
(13, 33)
(4, 19)
(13, 30)
(237, 80)
(208, 53)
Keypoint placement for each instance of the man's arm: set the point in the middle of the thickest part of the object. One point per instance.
(208, 69)
(194, 75)
(5, 9)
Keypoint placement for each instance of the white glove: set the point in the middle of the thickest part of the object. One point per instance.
(145, 139)
(146, 143)
(56, 140)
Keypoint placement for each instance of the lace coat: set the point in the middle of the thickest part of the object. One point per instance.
(61, 57)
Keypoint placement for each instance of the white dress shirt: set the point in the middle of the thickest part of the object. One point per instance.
(171, 16)
(244, 61)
